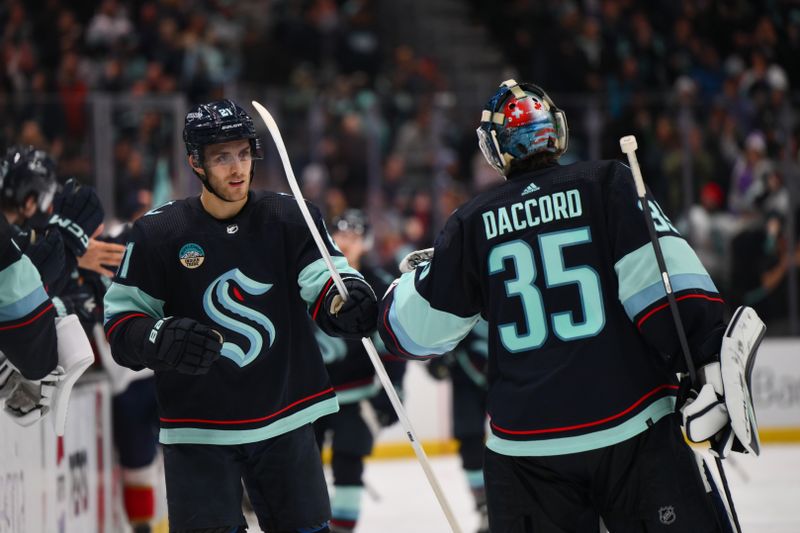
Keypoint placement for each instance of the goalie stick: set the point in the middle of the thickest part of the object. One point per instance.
(628, 145)
(272, 126)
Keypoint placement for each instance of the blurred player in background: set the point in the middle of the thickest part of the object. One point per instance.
(364, 406)
(214, 294)
(466, 367)
(583, 352)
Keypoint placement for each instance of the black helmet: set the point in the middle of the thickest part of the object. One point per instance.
(218, 122)
(214, 123)
(353, 220)
(24, 172)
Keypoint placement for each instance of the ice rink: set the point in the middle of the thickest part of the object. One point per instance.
(766, 490)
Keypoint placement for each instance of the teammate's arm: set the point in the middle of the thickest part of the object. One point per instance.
(641, 289)
(429, 310)
(139, 333)
(27, 327)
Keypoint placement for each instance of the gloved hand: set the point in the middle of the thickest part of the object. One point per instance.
(704, 412)
(384, 411)
(77, 213)
(182, 344)
(47, 255)
(439, 367)
(81, 303)
(352, 319)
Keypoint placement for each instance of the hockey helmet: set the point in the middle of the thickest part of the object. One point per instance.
(25, 172)
(354, 220)
(518, 122)
(218, 122)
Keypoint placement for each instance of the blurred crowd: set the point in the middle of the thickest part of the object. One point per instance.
(709, 88)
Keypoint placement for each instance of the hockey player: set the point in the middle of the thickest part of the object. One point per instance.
(214, 294)
(583, 353)
(365, 407)
(466, 368)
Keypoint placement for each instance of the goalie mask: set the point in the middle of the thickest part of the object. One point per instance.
(518, 122)
(26, 172)
(215, 123)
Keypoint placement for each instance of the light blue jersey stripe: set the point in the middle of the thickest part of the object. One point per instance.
(434, 331)
(638, 270)
(245, 436)
(312, 278)
(346, 501)
(591, 441)
(357, 394)
(642, 299)
(18, 280)
(124, 298)
(23, 306)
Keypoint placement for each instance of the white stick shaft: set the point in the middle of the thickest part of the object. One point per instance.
(272, 126)
(629, 145)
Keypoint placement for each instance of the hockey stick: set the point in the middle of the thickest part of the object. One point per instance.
(629, 145)
(272, 126)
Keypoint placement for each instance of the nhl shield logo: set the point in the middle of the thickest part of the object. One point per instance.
(666, 515)
(191, 255)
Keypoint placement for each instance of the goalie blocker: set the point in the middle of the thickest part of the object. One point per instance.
(723, 408)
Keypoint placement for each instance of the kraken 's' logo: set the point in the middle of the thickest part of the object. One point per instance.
(220, 290)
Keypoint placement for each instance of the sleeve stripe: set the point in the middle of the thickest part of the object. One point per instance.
(678, 299)
(643, 299)
(435, 331)
(321, 297)
(120, 321)
(30, 320)
(23, 306)
(19, 280)
(315, 275)
(391, 333)
(639, 270)
(128, 299)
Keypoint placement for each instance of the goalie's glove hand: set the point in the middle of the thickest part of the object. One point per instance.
(705, 416)
(353, 318)
(77, 213)
(384, 411)
(182, 344)
(411, 261)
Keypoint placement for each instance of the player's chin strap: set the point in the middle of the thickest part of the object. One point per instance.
(207, 184)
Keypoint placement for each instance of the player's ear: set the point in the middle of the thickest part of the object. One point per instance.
(197, 168)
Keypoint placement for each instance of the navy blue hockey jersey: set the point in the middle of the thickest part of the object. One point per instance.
(582, 347)
(255, 278)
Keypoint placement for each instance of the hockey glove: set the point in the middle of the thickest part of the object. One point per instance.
(77, 213)
(47, 255)
(439, 367)
(182, 344)
(30, 401)
(411, 261)
(81, 303)
(704, 412)
(354, 318)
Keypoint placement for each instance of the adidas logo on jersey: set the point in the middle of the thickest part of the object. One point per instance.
(529, 189)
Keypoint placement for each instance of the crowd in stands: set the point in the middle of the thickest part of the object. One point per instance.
(709, 88)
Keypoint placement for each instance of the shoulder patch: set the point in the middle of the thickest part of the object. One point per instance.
(191, 255)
